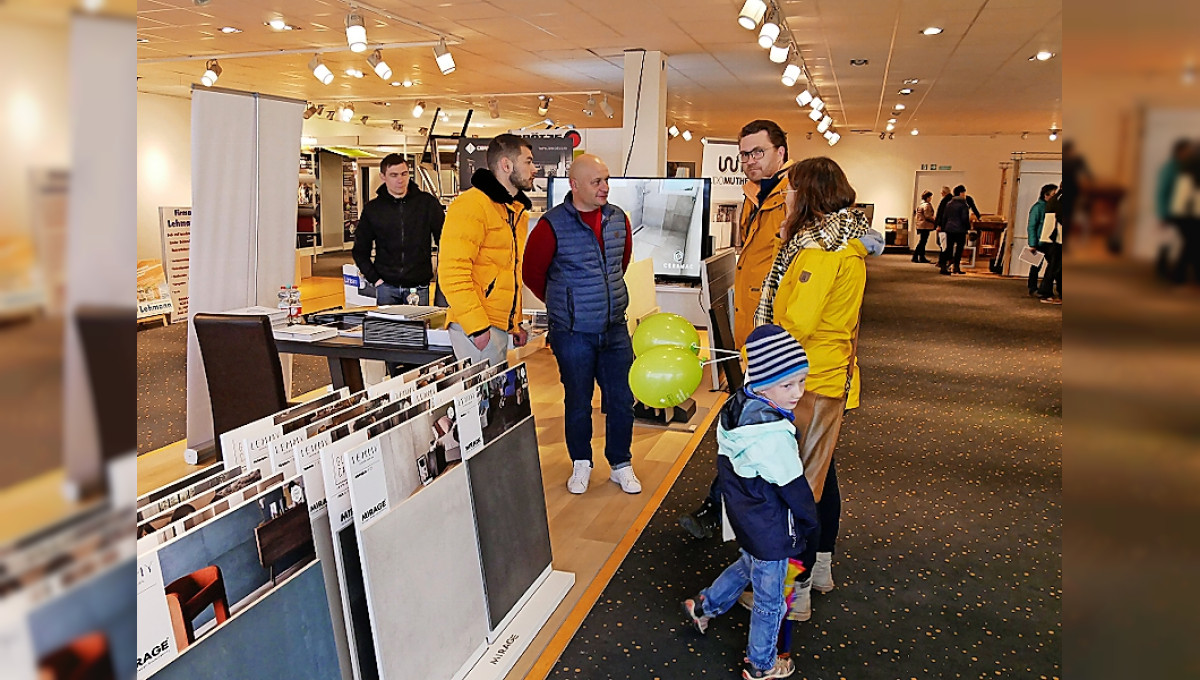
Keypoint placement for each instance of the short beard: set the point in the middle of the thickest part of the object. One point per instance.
(515, 180)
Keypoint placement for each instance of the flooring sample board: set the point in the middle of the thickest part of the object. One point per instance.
(188, 587)
(179, 484)
(234, 442)
(510, 516)
(286, 635)
(41, 626)
(424, 582)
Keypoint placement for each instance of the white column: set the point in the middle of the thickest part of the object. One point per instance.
(644, 136)
(101, 209)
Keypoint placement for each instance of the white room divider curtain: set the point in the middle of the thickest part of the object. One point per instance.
(245, 164)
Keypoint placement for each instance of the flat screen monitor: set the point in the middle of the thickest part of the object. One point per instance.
(668, 217)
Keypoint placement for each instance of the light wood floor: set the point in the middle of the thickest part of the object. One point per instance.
(589, 533)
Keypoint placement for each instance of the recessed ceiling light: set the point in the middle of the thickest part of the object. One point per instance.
(899, 107)
(911, 81)
(1043, 55)
(931, 30)
(891, 126)
(142, 40)
(407, 83)
(354, 73)
(395, 83)
(906, 91)
(230, 29)
(278, 24)
(914, 132)
(859, 62)
(892, 120)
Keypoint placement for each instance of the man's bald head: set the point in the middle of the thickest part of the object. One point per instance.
(589, 183)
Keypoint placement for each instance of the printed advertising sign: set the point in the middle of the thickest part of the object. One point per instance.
(176, 226)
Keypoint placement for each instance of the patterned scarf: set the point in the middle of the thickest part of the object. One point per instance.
(830, 234)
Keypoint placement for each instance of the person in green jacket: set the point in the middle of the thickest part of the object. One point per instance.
(1037, 215)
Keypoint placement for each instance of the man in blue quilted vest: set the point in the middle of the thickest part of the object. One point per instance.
(575, 262)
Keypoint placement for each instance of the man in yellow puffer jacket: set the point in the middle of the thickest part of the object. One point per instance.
(763, 152)
(479, 257)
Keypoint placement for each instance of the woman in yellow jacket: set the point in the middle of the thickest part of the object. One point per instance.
(479, 256)
(815, 291)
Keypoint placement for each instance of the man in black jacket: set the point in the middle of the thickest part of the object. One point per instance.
(402, 223)
(956, 223)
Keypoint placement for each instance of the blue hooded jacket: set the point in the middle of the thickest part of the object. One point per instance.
(767, 498)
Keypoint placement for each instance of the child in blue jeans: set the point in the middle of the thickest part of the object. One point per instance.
(767, 499)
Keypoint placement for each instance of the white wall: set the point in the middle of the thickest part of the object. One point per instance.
(883, 172)
(34, 121)
(164, 165)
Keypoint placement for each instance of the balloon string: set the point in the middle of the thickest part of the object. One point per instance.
(715, 361)
(716, 350)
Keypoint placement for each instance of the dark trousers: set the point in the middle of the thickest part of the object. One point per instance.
(1034, 273)
(923, 238)
(953, 251)
(585, 360)
(829, 519)
(1053, 265)
(1189, 257)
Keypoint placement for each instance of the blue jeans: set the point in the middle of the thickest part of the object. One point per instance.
(387, 294)
(587, 359)
(767, 580)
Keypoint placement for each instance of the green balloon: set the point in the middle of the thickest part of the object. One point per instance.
(665, 376)
(665, 330)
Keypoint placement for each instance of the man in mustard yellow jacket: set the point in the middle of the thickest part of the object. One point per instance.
(479, 257)
(763, 152)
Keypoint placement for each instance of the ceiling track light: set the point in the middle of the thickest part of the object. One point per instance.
(804, 98)
(212, 71)
(687, 135)
(589, 109)
(824, 124)
(752, 13)
(311, 110)
(356, 31)
(834, 139)
(791, 73)
(815, 115)
(494, 107)
(817, 104)
(418, 109)
(397, 126)
(346, 112)
(379, 65)
(606, 107)
(445, 60)
(769, 33)
(780, 53)
(673, 131)
(320, 71)
(543, 104)
(1055, 131)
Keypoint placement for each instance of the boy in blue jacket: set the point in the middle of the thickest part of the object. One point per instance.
(767, 499)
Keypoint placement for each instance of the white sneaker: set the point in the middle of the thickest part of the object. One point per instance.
(580, 474)
(822, 573)
(628, 481)
(801, 609)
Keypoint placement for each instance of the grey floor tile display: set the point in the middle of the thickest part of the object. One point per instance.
(510, 513)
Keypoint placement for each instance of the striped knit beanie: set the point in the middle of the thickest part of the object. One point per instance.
(772, 356)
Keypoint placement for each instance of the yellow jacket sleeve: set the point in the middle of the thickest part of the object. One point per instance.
(462, 237)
